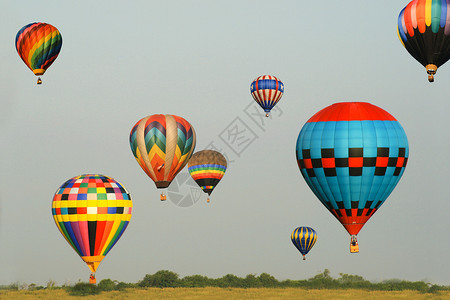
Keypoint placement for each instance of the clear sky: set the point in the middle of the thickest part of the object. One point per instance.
(123, 60)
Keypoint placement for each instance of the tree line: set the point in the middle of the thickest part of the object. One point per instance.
(169, 279)
(165, 278)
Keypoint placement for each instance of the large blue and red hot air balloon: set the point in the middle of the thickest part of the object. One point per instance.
(352, 156)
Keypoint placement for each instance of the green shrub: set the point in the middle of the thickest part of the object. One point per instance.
(107, 285)
(84, 289)
(161, 279)
(195, 281)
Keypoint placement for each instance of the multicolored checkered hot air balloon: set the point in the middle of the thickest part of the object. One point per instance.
(424, 30)
(207, 168)
(38, 45)
(352, 156)
(92, 212)
(303, 239)
(267, 90)
(162, 145)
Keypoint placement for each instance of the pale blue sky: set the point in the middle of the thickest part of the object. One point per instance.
(121, 61)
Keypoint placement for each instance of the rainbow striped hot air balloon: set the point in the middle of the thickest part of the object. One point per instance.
(162, 145)
(352, 156)
(92, 212)
(267, 90)
(207, 168)
(303, 239)
(38, 45)
(424, 30)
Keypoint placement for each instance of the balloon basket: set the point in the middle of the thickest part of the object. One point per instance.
(163, 197)
(431, 70)
(92, 279)
(267, 115)
(354, 247)
(304, 258)
(39, 81)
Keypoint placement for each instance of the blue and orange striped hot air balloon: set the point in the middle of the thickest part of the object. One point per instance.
(92, 212)
(352, 156)
(267, 90)
(424, 30)
(207, 168)
(303, 239)
(38, 45)
(162, 145)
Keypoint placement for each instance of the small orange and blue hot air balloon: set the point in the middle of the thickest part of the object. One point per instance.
(162, 145)
(207, 168)
(352, 155)
(303, 239)
(92, 212)
(38, 45)
(267, 90)
(424, 30)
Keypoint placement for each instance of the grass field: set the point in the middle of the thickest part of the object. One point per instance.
(225, 293)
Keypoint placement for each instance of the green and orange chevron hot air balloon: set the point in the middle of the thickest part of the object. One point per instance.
(162, 145)
(38, 45)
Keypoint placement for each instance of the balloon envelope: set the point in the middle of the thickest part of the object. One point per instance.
(352, 156)
(38, 45)
(162, 145)
(92, 212)
(424, 30)
(267, 90)
(207, 168)
(303, 239)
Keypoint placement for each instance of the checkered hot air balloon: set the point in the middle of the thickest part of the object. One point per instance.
(267, 90)
(207, 168)
(92, 212)
(352, 156)
(303, 239)
(162, 145)
(38, 45)
(424, 30)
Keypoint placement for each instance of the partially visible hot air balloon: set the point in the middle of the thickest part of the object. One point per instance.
(38, 45)
(92, 212)
(424, 30)
(352, 156)
(303, 239)
(207, 167)
(162, 145)
(267, 91)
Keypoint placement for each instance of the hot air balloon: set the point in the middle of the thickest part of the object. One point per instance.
(207, 167)
(267, 91)
(303, 239)
(352, 156)
(38, 45)
(424, 30)
(162, 145)
(92, 212)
